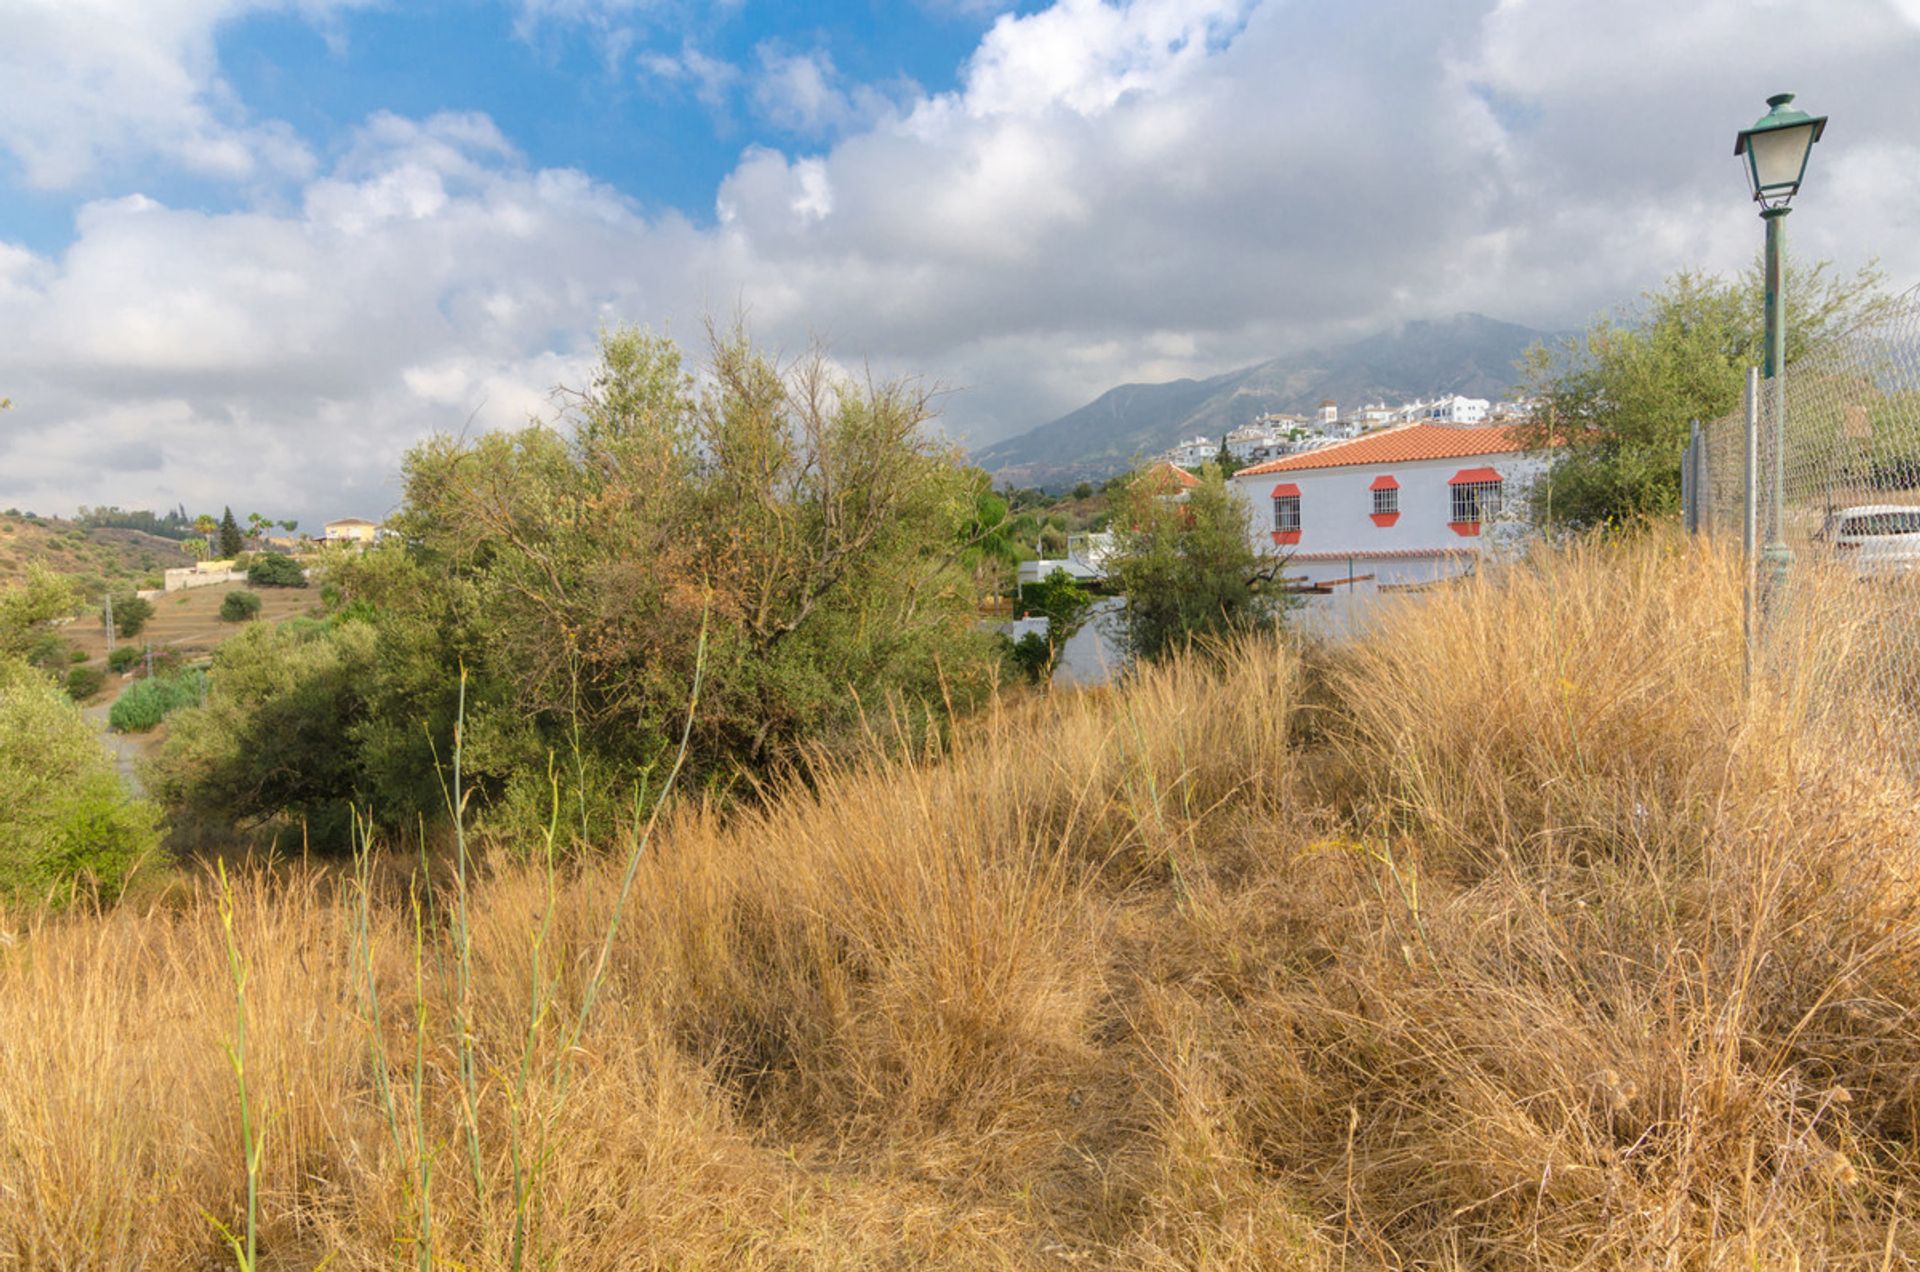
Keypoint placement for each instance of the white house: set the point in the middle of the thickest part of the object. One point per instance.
(1402, 506)
(1454, 409)
(1193, 452)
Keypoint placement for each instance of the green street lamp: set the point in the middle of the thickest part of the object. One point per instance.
(1776, 150)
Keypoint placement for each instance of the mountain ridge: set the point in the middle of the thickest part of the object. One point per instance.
(1466, 353)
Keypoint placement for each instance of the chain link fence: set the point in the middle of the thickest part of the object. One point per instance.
(1840, 493)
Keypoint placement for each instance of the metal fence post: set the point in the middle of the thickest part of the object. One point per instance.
(1689, 519)
(1750, 514)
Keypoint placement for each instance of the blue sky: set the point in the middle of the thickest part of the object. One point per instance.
(253, 250)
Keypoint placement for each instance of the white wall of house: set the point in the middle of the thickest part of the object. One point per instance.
(1454, 409)
(1336, 517)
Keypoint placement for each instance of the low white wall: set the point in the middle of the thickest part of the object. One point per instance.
(186, 577)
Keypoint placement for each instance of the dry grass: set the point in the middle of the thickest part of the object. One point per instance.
(1517, 935)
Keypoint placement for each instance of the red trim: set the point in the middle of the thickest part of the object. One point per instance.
(1286, 536)
(1284, 489)
(1470, 476)
(1465, 529)
(1384, 483)
(1384, 518)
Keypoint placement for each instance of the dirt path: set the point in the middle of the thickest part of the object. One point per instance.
(122, 748)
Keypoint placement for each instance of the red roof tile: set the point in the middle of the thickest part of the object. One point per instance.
(1398, 446)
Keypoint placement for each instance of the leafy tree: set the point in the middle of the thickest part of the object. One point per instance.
(65, 815)
(274, 736)
(1618, 400)
(805, 523)
(274, 570)
(130, 614)
(239, 606)
(28, 606)
(84, 682)
(1188, 569)
(230, 540)
(991, 538)
(1223, 458)
(1083, 491)
(1065, 605)
(289, 525)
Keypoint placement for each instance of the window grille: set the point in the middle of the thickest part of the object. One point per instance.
(1286, 512)
(1476, 501)
(1386, 500)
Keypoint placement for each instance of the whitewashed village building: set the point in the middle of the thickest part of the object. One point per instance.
(1402, 506)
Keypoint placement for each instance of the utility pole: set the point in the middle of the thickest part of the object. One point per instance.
(109, 622)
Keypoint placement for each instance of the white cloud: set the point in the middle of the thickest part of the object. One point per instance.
(1113, 192)
(88, 83)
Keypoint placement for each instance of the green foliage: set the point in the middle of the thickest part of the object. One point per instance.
(276, 733)
(147, 702)
(1083, 491)
(1065, 605)
(806, 522)
(65, 816)
(229, 532)
(27, 607)
(1618, 400)
(1032, 656)
(270, 569)
(239, 607)
(76, 655)
(130, 614)
(123, 657)
(1188, 569)
(84, 682)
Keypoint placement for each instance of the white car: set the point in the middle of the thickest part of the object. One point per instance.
(1876, 539)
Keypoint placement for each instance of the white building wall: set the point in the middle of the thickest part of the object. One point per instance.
(1336, 506)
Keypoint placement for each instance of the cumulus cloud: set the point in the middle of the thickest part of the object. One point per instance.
(92, 82)
(1112, 192)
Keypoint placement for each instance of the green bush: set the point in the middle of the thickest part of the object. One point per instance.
(123, 658)
(66, 815)
(148, 702)
(48, 652)
(84, 682)
(273, 570)
(238, 607)
(76, 655)
(130, 614)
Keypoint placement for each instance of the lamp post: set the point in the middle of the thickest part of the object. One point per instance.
(1776, 150)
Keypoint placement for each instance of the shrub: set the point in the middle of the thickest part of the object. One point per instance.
(273, 570)
(66, 813)
(238, 607)
(130, 614)
(76, 655)
(123, 658)
(148, 702)
(84, 682)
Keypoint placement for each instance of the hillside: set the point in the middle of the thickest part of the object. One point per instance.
(98, 556)
(1468, 353)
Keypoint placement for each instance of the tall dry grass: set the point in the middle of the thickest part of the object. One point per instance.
(1518, 934)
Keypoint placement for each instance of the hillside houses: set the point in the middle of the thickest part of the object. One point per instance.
(1274, 436)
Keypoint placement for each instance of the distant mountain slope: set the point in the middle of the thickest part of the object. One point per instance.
(1468, 353)
(94, 557)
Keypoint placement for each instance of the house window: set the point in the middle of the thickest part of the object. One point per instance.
(1386, 500)
(1286, 513)
(1475, 501)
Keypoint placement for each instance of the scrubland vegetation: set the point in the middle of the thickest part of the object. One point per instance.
(1518, 933)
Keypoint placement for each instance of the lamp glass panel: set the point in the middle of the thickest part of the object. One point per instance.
(1779, 156)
